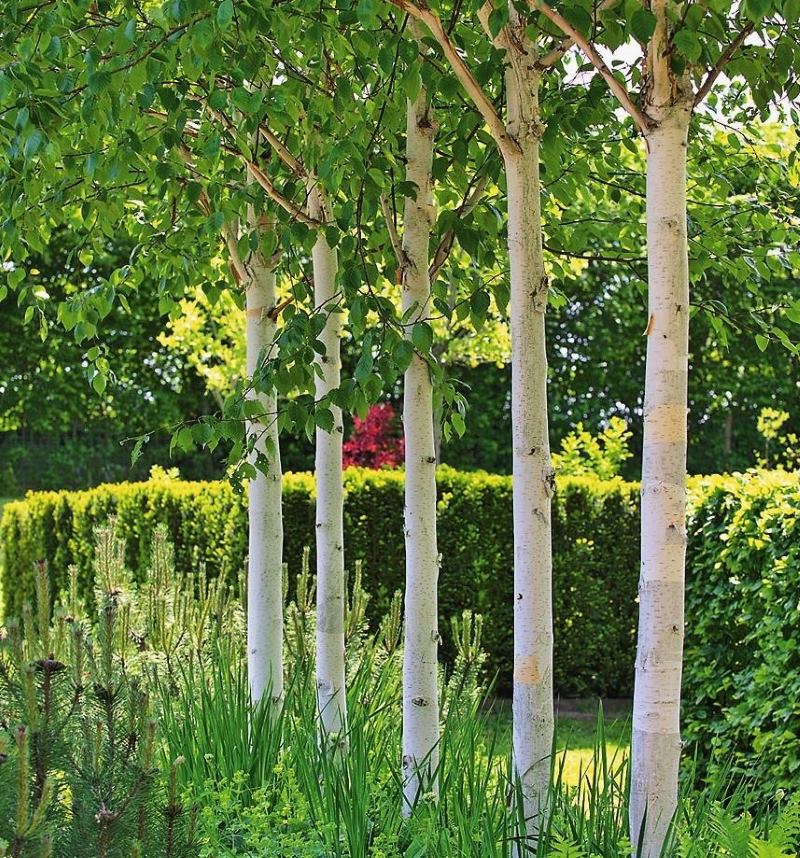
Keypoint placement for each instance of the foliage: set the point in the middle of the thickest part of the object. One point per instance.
(88, 458)
(375, 441)
(595, 542)
(584, 454)
(248, 785)
(741, 672)
(78, 738)
(787, 455)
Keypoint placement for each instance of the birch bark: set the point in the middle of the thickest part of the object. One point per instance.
(420, 666)
(264, 572)
(330, 666)
(532, 469)
(656, 741)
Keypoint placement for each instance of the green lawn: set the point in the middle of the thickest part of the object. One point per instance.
(576, 732)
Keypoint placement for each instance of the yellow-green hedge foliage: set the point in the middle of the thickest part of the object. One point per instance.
(741, 678)
(595, 542)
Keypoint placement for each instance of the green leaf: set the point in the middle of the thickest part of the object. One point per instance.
(687, 42)
(762, 342)
(323, 417)
(136, 452)
(33, 143)
(225, 13)
(479, 302)
(99, 383)
(643, 24)
(422, 337)
(498, 18)
(402, 355)
(756, 10)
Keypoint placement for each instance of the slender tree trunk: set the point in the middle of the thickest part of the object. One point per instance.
(532, 468)
(331, 697)
(420, 679)
(727, 447)
(656, 743)
(264, 573)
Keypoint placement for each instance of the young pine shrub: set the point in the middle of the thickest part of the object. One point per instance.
(78, 768)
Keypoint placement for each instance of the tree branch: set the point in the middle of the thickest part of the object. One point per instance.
(257, 173)
(644, 122)
(274, 194)
(397, 245)
(294, 164)
(725, 58)
(491, 117)
(446, 244)
(229, 230)
(556, 53)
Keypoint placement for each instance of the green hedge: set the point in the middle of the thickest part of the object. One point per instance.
(742, 662)
(595, 531)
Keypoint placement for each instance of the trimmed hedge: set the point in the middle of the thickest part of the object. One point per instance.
(742, 663)
(595, 534)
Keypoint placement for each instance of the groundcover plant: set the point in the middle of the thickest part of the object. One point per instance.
(129, 729)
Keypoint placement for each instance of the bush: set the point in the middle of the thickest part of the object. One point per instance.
(742, 663)
(595, 533)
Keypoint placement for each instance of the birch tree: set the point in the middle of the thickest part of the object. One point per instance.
(141, 143)
(420, 651)
(518, 140)
(685, 48)
(330, 653)
(264, 509)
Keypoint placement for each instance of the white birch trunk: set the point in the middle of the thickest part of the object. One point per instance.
(656, 744)
(532, 467)
(420, 677)
(264, 572)
(331, 698)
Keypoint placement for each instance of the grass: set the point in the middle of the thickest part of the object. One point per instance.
(576, 732)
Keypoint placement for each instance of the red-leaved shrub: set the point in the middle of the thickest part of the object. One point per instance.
(376, 441)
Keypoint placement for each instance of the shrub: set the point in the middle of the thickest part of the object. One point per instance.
(78, 771)
(742, 663)
(376, 441)
(595, 542)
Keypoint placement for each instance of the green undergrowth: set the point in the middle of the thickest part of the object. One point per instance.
(127, 729)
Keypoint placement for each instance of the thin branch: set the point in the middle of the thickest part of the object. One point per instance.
(397, 245)
(259, 175)
(238, 268)
(280, 149)
(644, 122)
(556, 53)
(491, 117)
(716, 70)
(283, 153)
(274, 194)
(464, 210)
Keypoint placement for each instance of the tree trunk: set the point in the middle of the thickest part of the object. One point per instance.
(532, 468)
(727, 448)
(420, 675)
(330, 497)
(264, 573)
(656, 744)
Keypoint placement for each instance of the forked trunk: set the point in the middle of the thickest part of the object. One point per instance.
(420, 677)
(264, 572)
(331, 697)
(656, 742)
